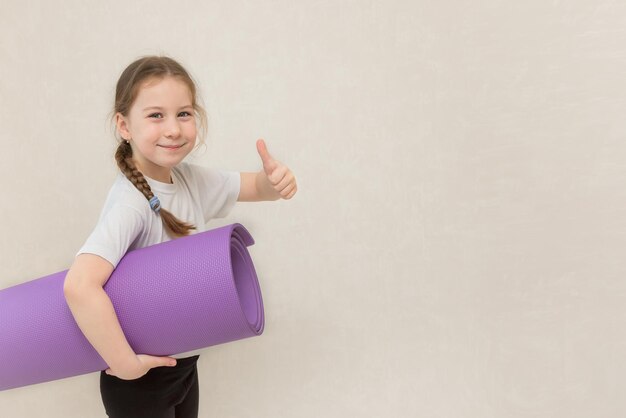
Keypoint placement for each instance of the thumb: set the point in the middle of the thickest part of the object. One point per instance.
(155, 361)
(268, 162)
(168, 361)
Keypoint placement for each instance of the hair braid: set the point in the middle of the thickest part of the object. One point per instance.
(124, 157)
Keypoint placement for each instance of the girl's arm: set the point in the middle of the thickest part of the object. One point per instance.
(95, 315)
(255, 187)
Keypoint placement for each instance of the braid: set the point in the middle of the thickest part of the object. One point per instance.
(124, 157)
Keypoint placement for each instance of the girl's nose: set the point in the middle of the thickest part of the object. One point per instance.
(173, 129)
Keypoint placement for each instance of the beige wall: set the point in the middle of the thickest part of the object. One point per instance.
(456, 245)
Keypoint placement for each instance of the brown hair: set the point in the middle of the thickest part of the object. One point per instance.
(139, 71)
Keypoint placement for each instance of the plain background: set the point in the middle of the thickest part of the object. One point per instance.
(455, 248)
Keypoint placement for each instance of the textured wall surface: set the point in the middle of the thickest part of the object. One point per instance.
(455, 246)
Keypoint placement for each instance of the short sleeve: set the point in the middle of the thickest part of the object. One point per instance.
(218, 190)
(114, 233)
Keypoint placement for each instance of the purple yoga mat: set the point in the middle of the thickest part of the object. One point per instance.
(177, 296)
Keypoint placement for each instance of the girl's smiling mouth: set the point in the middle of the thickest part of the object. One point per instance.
(171, 147)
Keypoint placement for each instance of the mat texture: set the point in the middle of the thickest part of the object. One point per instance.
(177, 296)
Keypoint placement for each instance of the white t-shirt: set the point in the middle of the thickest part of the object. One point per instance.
(127, 222)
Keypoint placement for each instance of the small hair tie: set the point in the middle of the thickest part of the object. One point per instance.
(155, 204)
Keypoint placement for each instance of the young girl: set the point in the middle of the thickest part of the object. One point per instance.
(155, 198)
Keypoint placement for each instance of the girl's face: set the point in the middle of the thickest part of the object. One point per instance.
(161, 126)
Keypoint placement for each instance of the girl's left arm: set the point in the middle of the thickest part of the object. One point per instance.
(274, 182)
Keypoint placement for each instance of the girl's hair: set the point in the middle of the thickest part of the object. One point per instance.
(132, 78)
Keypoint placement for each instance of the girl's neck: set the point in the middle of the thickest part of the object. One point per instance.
(157, 173)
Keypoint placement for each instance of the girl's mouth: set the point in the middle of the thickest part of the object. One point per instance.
(171, 147)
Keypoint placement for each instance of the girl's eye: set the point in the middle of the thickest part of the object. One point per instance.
(185, 113)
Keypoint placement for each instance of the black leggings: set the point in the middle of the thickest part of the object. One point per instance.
(163, 392)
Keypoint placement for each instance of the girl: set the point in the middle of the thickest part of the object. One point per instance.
(155, 198)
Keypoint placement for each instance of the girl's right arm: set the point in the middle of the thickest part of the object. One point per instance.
(95, 315)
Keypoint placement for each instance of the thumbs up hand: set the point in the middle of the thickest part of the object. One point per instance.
(279, 175)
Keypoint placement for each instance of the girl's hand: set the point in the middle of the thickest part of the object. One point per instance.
(142, 366)
(279, 175)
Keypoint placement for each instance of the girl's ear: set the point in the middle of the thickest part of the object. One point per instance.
(122, 125)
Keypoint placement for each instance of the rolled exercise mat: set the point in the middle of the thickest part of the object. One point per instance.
(177, 296)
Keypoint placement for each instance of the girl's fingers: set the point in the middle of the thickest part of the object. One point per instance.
(278, 175)
(288, 189)
(290, 195)
(286, 181)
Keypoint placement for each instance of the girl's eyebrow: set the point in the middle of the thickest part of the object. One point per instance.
(160, 108)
